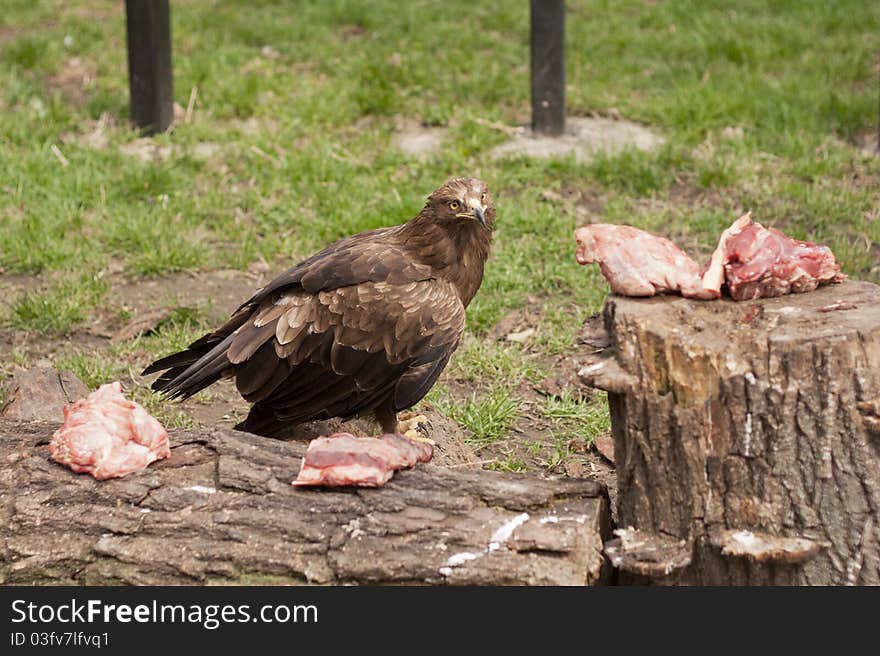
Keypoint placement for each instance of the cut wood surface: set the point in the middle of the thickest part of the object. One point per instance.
(750, 431)
(221, 510)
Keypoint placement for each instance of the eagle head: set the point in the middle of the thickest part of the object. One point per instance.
(463, 199)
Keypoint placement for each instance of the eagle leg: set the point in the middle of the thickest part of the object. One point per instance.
(386, 416)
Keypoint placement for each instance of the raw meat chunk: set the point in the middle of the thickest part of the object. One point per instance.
(637, 263)
(757, 262)
(108, 436)
(343, 459)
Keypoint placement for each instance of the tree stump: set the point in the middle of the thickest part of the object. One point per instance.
(221, 509)
(746, 436)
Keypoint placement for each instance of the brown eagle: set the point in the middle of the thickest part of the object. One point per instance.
(364, 326)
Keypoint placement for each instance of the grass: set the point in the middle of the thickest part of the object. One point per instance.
(59, 308)
(509, 464)
(290, 146)
(492, 363)
(94, 370)
(487, 417)
(575, 418)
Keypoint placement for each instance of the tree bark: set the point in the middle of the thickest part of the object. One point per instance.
(746, 436)
(222, 510)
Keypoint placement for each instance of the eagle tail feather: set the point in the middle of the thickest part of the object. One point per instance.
(206, 368)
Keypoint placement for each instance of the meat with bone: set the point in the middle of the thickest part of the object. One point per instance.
(637, 263)
(343, 459)
(108, 436)
(757, 262)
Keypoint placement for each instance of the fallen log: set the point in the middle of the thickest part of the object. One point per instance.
(746, 436)
(221, 509)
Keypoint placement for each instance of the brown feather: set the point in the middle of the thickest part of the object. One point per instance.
(248, 340)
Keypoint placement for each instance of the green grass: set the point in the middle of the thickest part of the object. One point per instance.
(760, 105)
(92, 369)
(61, 307)
(574, 417)
(492, 363)
(488, 417)
(509, 464)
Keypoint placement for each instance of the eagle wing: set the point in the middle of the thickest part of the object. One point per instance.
(368, 256)
(341, 352)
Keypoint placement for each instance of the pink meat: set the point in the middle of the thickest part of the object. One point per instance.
(343, 459)
(713, 278)
(108, 436)
(637, 263)
(761, 263)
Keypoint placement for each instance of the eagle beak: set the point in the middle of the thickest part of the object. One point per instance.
(480, 216)
(476, 211)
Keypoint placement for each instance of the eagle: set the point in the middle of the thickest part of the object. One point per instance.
(365, 326)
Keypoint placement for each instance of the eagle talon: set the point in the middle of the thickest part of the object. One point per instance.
(416, 436)
(415, 427)
(412, 423)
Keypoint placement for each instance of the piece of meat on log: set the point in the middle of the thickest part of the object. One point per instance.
(108, 436)
(637, 263)
(757, 262)
(343, 459)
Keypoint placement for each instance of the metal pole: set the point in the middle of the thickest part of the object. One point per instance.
(149, 64)
(548, 66)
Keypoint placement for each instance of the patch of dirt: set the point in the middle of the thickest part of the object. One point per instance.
(145, 299)
(14, 284)
(205, 150)
(97, 11)
(92, 134)
(589, 203)
(516, 326)
(146, 150)
(141, 324)
(223, 289)
(417, 140)
(353, 31)
(868, 141)
(74, 80)
(252, 125)
(8, 33)
(219, 405)
(584, 138)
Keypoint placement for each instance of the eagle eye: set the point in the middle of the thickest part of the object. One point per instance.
(483, 198)
(454, 205)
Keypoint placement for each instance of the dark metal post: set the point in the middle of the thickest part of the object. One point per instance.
(149, 64)
(548, 66)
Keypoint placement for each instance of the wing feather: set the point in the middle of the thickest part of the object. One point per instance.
(347, 349)
(372, 256)
(248, 340)
(259, 376)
